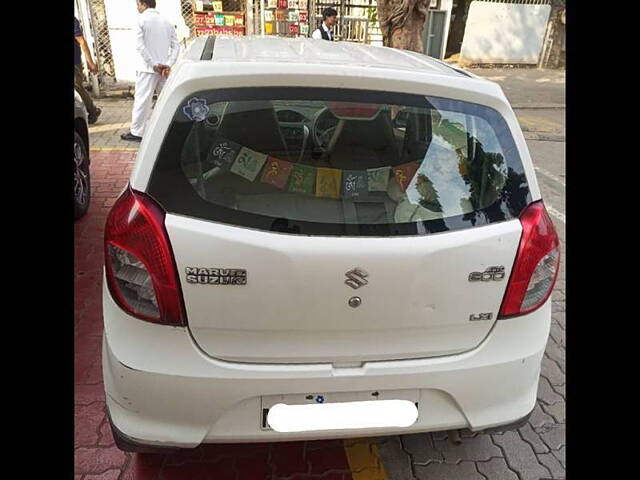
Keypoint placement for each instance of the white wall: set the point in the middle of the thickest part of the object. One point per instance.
(504, 33)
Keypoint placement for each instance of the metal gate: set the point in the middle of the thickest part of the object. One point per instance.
(433, 34)
(352, 24)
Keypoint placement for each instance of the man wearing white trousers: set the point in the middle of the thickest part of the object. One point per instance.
(158, 47)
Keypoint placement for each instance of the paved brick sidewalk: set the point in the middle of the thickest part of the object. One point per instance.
(536, 451)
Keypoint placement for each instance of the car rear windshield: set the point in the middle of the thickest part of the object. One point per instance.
(316, 161)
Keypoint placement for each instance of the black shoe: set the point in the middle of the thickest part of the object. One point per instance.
(130, 137)
(93, 117)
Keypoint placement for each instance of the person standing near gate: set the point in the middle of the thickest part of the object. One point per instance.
(158, 47)
(329, 16)
(81, 47)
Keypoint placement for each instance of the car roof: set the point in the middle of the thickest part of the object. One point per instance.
(309, 51)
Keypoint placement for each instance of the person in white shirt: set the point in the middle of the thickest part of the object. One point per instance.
(329, 16)
(158, 48)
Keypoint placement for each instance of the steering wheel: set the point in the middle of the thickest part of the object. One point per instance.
(323, 126)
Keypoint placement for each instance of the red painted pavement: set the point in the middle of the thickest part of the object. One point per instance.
(96, 457)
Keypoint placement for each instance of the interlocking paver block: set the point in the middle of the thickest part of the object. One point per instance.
(552, 463)
(397, 463)
(220, 470)
(560, 455)
(98, 460)
(553, 435)
(445, 471)
(556, 353)
(477, 448)
(496, 469)
(546, 394)
(288, 458)
(530, 436)
(551, 371)
(421, 448)
(108, 475)
(520, 456)
(558, 334)
(557, 410)
(88, 419)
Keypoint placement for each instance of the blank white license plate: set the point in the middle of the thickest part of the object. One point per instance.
(339, 411)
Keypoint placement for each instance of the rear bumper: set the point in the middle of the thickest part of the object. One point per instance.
(162, 390)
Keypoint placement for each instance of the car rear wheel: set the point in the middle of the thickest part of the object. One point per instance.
(81, 180)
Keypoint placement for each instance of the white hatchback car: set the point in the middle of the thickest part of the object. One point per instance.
(324, 240)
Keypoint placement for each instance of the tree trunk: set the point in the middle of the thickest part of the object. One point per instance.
(551, 54)
(454, 42)
(402, 23)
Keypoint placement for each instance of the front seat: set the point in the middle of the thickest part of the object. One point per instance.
(365, 144)
(254, 124)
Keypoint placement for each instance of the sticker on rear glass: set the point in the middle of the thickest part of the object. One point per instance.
(276, 172)
(378, 179)
(248, 163)
(302, 179)
(354, 183)
(404, 174)
(328, 182)
(223, 153)
(196, 109)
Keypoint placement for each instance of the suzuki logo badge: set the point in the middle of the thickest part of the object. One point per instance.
(356, 278)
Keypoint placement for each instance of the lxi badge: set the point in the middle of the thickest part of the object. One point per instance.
(216, 276)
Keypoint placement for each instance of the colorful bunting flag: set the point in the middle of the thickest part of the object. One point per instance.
(302, 179)
(223, 153)
(248, 163)
(276, 172)
(292, 3)
(354, 183)
(404, 174)
(302, 16)
(272, 3)
(302, 4)
(282, 3)
(328, 182)
(378, 179)
(219, 19)
(304, 28)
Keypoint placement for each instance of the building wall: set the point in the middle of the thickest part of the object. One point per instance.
(504, 32)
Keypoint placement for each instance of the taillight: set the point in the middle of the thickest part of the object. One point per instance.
(536, 266)
(140, 268)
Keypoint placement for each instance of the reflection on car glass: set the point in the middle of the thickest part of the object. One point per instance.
(399, 165)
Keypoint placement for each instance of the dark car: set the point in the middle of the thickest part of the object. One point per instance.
(81, 178)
